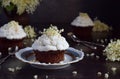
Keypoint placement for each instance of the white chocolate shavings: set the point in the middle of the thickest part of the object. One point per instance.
(52, 31)
(100, 26)
(112, 51)
(30, 31)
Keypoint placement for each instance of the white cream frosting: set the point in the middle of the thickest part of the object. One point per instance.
(47, 42)
(83, 20)
(12, 30)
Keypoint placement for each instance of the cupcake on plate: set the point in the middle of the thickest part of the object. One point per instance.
(11, 35)
(82, 26)
(50, 46)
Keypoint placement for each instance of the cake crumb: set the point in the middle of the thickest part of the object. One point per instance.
(35, 76)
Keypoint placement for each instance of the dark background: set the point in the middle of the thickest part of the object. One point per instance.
(65, 11)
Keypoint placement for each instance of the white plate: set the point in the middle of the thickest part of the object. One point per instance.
(71, 56)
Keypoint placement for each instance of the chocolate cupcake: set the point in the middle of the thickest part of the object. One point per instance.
(50, 46)
(11, 35)
(82, 26)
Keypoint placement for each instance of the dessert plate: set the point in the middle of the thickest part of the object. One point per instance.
(72, 55)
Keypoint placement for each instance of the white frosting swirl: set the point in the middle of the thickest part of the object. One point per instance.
(46, 43)
(51, 40)
(83, 20)
(12, 30)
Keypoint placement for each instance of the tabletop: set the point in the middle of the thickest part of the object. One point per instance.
(92, 66)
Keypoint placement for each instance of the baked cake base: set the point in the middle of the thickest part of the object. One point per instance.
(49, 56)
(6, 43)
(84, 33)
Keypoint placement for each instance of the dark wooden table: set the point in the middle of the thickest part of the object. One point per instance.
(87, 68)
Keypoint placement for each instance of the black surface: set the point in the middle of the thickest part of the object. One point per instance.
(61, 13)
(64, 11)
(86, 68)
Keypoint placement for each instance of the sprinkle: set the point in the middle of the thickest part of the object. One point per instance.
(9, 49)
(106, 75)
(92, 54)
(95, 47)
(74, 73)
(0, 53)
(35, 76)
(97, 57)
(18, 68)
(11, 69)
(81, 49)
(99, 73)
(16, 48)
(87, 55)
(102, 41)
(114, 69)
(46, 76)
(98, 40)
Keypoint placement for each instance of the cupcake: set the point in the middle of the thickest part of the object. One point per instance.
(82, 26)
(50, 46)
(11, 35)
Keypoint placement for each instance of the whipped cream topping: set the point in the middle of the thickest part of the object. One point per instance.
(12, 30)
(83, 20)
(53, 41)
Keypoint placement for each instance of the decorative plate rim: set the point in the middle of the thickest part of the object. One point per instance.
(80, 57)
